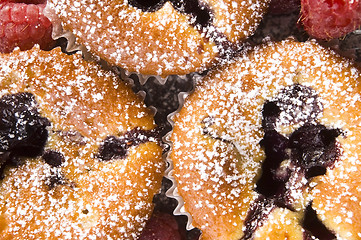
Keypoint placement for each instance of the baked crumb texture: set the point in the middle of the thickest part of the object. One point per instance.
(75, 187)
(268, 146)
(161, 37)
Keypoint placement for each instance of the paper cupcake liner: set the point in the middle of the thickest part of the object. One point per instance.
(173, 190)
(166, 98)
(58, 32)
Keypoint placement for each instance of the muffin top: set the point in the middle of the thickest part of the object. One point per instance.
(80, 153)
(268, 146)
(161, 37)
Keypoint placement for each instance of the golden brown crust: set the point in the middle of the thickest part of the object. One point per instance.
(216, 141)
(237, 19)
(161, 42)
(97, 199)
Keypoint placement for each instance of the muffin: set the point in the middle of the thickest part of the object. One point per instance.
(80, 153)
(268, 145)
(161, 37)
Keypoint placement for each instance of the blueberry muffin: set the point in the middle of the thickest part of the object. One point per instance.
(268, 146)
(161, 37)
(80, 153)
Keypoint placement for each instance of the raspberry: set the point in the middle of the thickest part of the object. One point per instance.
(278, 7)
(327, 19)
(23, 24)
(161, 226)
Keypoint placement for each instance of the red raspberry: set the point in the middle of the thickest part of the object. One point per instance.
(327, 19)
(23, 24)
(278, 7)
(161, 226)
(25, 1)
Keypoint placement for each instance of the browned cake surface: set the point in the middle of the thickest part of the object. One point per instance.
(160, 39)
(103, 135)
(294, 104)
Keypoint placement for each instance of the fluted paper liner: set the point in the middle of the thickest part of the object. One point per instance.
(173, 191)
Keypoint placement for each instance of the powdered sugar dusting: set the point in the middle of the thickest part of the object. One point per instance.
(216, 139)
(83, 198)
(162, 42)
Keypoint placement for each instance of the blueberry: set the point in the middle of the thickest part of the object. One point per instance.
(53, 158)
(314, 146)
(293, 104)
(270, 114)
(147, 5)
(117, 147)
(113, 148)
(55, 179)
(23, 132)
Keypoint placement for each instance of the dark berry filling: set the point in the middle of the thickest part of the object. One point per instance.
(257, 214)
(55, 179)
(23, 132)
(147, 5)
(270, 113)
(117, 147)
(199, 12)
(311, 149)
(307, 152)
(314, 227)
(314, 148)
(270, 184)
(53, 158)
(294, 104)
(113, 148)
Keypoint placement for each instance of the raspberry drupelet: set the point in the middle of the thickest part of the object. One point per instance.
(328, 19)
(23, 24)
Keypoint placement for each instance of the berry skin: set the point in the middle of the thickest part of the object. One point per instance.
(278, 7)
(161, 226)
(328, 19)
(23, 24)
(23, 132)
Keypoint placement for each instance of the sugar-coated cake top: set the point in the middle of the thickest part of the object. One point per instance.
(161, 37)
(80, 155)
(270, 139)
